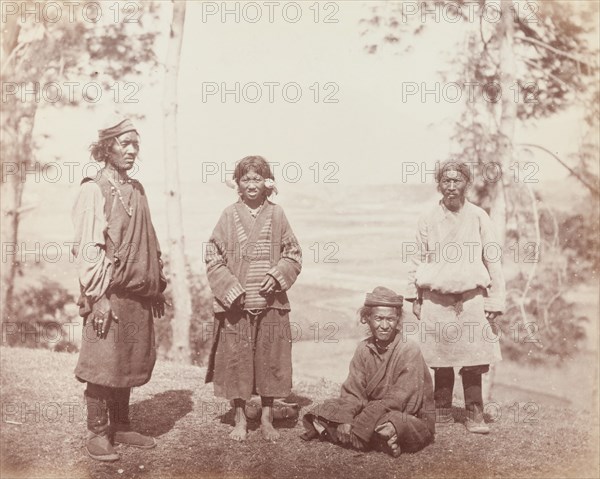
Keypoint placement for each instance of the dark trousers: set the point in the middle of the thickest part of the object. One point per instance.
(444, 385)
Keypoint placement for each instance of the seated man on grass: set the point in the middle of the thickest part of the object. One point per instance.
(387, 401)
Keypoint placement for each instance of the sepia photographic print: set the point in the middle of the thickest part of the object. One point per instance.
(291, 239)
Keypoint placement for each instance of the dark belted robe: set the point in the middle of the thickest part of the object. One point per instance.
(129, 249)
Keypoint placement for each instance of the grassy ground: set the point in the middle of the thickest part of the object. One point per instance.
(43, 429)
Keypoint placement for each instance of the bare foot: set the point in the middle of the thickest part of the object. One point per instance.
(239, 432)
(269, 433)
(266, 420)
(388, 433)
(394, 446)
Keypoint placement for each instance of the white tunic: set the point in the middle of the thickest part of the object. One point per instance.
(457, 270)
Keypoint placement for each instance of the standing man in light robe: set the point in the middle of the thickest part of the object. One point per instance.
(457, 289)
(121, 281)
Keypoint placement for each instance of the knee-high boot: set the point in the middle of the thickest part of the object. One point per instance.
(120, 422)
(442, 395)
(474, 402)
(98, 445)
(119, 409)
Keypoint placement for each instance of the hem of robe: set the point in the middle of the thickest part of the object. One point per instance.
(126, 357)
(449, 338)
(272, 381)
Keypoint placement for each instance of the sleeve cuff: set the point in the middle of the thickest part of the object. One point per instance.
(411, 292)
(233, 294)
(493, 304)
(279, 277)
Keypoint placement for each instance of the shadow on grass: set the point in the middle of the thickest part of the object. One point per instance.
(158, 415)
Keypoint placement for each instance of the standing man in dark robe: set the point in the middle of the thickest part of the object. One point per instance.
(387, 401)
(121, 279)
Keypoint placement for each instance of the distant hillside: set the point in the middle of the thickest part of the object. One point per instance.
(351, 235)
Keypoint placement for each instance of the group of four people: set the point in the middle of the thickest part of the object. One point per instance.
(388, 400)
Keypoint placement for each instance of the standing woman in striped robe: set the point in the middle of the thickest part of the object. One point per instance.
(252, 259)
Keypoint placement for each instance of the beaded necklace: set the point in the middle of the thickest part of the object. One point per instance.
(254, 211)
(114, 188)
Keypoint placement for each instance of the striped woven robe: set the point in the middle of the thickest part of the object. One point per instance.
(251, 350)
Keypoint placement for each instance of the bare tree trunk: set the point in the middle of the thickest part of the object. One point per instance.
(17, 129)
(12, 194)
(508, 117)
(506, 132)
(11, 188)
(18, 155)
(180, 350)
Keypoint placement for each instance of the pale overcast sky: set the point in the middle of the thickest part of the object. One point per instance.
(371, 124)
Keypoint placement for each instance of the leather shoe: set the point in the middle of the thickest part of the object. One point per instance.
(100, 448)
(475, 422)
